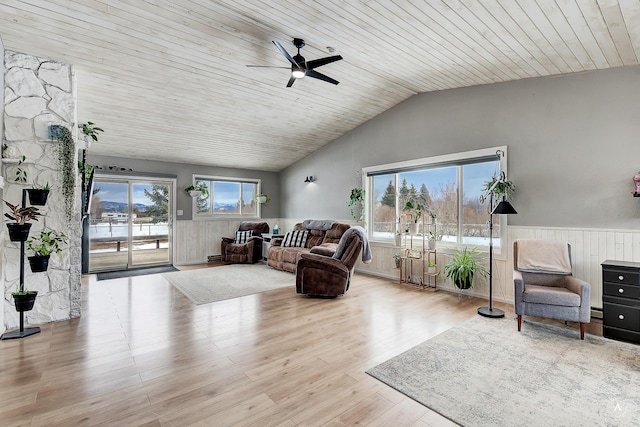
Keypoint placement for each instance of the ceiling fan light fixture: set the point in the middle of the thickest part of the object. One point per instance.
(298, 73)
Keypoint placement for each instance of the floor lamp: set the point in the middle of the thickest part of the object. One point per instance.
(503, 208)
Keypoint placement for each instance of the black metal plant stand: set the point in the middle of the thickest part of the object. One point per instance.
(490, 311)
(22, 332)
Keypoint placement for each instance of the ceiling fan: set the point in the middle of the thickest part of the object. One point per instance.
(300, 67)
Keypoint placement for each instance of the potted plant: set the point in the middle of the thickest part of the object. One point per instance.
(504, 188)
(431, 268)
(396, 258)
(19, 228)
(42, 246)
(199, 189)
(38, 195)
(263, 199)
(90, 132)
(462, 266)
(23, 299)
(398, 238)
(432, 241)
(357, 198)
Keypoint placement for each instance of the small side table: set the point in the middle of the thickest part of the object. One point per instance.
(266, 242)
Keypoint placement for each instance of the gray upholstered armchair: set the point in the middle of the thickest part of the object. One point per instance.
(544, 286)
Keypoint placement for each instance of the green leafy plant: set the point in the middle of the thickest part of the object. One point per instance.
(503, 188)
(417, 209)
(357, 198)
(91, 130)
(47, 242)
(46, 186)
(22, 215)
(396, 259)
(462, 266)
(66, 166)
(201, 187)
(21, 174)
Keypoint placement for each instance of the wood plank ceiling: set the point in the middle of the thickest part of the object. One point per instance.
(167, 78)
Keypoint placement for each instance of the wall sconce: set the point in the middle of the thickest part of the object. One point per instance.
(308, 179)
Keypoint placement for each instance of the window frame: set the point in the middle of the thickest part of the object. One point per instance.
(434, 161)
(195, 216)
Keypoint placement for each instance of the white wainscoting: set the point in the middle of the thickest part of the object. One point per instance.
(589, 248)
(196, 240)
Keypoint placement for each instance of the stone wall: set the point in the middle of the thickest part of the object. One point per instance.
(38, 93)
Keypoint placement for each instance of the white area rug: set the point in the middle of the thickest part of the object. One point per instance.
(206, 285)
(483, 372)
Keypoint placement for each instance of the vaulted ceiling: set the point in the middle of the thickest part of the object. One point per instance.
(167, 79)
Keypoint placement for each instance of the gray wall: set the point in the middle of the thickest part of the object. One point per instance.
(270, 180)
(573, 147)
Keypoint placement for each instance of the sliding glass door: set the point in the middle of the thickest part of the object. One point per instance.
(130, 223)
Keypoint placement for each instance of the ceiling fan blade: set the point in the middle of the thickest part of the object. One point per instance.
(291, 81)
(267, 66)
(322, 61)
(320, 76)
(285, 53)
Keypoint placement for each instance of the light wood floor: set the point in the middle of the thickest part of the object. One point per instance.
(143, 354)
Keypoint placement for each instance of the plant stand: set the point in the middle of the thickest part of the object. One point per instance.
(22, 332)
(421, 255)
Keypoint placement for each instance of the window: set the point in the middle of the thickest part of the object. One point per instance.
(227, 197)
(449, 186)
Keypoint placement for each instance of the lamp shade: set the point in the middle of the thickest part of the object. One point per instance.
(504, 208)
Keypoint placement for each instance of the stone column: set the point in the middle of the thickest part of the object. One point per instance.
(38, 93)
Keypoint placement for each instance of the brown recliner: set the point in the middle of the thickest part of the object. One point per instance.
(325, 276)
(249, 252)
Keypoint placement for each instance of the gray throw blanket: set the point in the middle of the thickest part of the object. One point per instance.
(318, 224)
(342, 245)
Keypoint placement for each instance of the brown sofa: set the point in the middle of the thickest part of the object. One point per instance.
(286, 258)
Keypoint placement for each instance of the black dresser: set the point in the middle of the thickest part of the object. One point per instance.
(621, 300)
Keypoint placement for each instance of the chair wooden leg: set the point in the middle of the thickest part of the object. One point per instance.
(519, 322)
(582, 327)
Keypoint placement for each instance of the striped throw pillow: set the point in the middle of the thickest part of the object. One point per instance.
(295, 239)
(243, 236)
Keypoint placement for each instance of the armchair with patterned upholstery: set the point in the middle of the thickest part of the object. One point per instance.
(246, 246)
(544, 285)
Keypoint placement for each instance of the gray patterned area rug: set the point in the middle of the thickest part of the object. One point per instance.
(483, 372)
(207, 285)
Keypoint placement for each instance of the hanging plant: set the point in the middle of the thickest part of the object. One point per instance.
(504, 188)
(263, 199)
(66, 167)
(357, 198)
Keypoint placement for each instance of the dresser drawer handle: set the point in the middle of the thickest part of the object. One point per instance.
(620, 277)
(621, 291)
(621, 316)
